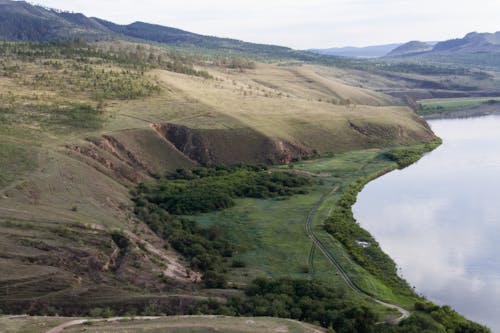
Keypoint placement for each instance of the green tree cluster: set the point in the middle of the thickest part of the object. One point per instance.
(208, 189)
(204, 248)
(202, 190)
(304, 300)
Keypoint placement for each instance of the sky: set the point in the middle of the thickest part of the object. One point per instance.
(303, 24)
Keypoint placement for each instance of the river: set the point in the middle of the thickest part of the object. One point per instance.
(439, 219)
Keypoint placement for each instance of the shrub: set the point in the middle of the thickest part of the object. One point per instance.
(238, 264)
(405, 156)
(209, 189)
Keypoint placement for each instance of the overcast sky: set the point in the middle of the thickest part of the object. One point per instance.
(304, 24)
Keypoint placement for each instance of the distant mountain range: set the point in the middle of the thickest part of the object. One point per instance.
(359, 52)
(472, 43)
(21, 21)
(410, 48)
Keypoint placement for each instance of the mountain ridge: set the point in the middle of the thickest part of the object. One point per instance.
(371, 51)
(22, 21)
(410, 48)
(471, 43)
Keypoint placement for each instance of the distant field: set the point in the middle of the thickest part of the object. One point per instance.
(449, 104)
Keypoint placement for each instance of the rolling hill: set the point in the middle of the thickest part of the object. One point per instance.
(359, 52)
(474, 49)
(22, 21)
(410, 48)
(472, 43)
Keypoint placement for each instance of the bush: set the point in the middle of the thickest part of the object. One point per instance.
(212, 279)
(95, 312)
(405, 156)
(205, 248)
(238, 264)
(202, 190)
(311, 301)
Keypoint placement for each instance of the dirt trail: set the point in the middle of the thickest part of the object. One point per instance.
(343, 274)
(76, 322)
(175, 269)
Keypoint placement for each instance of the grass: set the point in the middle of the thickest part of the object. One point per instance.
(270, 234)
(74, 69)
(25, 324)
(200, 324)
(15, 160)
(295, 110)
(448, 104)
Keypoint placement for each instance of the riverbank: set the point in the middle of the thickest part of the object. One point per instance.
(458, 108)
(270, 247)
(438, 219)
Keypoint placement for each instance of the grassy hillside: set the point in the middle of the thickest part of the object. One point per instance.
(81, 126)
(466, 68)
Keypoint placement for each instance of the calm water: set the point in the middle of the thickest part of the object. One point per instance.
(439, 219)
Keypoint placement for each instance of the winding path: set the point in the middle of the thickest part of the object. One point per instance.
(343, 274)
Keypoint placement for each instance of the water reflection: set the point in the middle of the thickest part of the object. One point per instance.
(440, 218)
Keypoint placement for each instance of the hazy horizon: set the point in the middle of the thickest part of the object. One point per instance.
(300, 24)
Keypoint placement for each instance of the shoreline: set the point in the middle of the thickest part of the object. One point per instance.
(476, 111)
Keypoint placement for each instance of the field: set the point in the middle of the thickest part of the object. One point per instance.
(26, 324)
(271, 236)
(449, 104)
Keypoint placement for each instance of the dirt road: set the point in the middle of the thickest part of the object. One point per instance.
(343, 274)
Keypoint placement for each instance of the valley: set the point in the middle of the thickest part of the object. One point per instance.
(80, 238)
(154, 179)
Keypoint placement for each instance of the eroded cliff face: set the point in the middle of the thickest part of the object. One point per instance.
(229, 146)
(135, 155)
